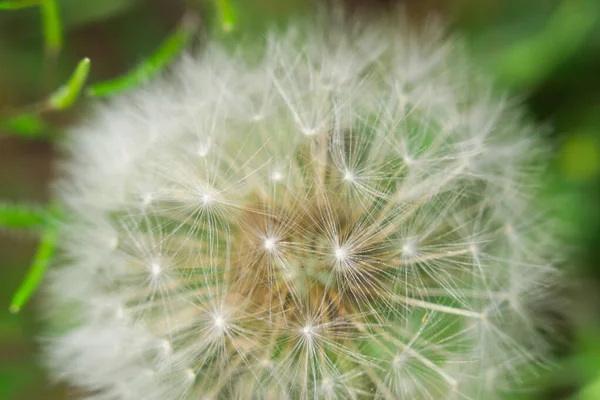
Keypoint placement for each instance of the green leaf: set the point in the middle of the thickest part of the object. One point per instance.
(19, 4)
(65, 96)
(52, 27)
(28, 126)
(27, 123)
(18, 216)
(168, 50)
(41, 260)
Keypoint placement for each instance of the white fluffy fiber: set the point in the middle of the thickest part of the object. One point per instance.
(354, 216)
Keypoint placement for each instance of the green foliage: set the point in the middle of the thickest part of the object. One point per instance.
(41, 260)
(150, 67)
(529, 60)
(52, 27)
(18, 4)
(66, 95)
(18, 216)
(26, 126)
(227, 15)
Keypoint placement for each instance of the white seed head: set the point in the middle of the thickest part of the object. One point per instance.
(401, 253)
(219, 322)
(408, 249)
(277, 176)
(155, 269)
(269, 244)
(349, 176)
(308, 331)
(341, 254)
(207, 198)
(203, 150)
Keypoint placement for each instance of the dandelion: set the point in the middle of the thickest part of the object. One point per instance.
(352, 217)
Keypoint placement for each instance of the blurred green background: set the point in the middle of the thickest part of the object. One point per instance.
(545, 52)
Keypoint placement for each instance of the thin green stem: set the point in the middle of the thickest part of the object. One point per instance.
(18, 4)
(66, 95)
(168, 50)
(227, 15)
(41, 260)
(52, 27)
(25, 121)
(18, 216)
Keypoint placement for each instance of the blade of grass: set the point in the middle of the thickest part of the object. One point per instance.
(168, 50)
(26, 126)
(18, 216)
(227, 15)
(19, 4)
(26, 122)
(52, 27)
(66, 95)
(41, 260)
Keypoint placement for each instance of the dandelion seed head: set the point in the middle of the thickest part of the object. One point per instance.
(349, 176)
(309, 131)
(265, 363)
(308, 331)
(166, 346)
(191, 375)
(326, 384)
(203, 149)
(155, 269)
(120, 313)
(219, 322)
(277, 176)
(269, 244)
(398, 361)
(207, 198)
(113, 242)
(341, 254)
(408, 249)
(353, 216)
(147, 199)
